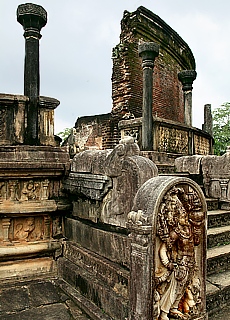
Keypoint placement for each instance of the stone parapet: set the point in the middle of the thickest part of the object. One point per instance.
(14, 120)
(170, 137)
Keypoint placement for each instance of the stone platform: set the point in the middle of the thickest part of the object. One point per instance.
(37, 299)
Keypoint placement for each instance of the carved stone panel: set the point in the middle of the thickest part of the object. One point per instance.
(201, 145)
(25, 229)
(172, 140)
(176, 210)
(24, 190)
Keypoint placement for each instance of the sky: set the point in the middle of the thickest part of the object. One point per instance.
(76, 48)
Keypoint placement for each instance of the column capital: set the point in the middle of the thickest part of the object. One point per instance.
(32, 17)
(148, 51)
(187, 77)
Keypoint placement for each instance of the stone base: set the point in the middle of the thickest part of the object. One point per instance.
(92, 289)
(29, 249)
(20, 269)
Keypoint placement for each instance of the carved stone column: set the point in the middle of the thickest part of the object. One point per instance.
(5, 227)
(141, 272)
(32, 17)
(148, 51)
(47, 225)
(187, 77)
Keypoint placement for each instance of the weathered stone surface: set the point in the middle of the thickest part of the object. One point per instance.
(91, 186)
(190, 164)
(218, 259)
(14, 299)
(110, 273)
(148, 51)
(37, 299)
(27, 268)
(168, 236)
(92, 288)
(119, 175)
(12, 118)
(111, 245)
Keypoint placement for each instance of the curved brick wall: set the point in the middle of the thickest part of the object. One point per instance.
(175, 56)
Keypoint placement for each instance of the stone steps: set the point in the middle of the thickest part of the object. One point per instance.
(218, 236)
(218, 218)
(218, 261)
(218, 292)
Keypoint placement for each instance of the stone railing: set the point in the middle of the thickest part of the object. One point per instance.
(170, 137)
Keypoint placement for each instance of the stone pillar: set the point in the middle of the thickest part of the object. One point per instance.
(141, 295)
(187, 77)
(32, 17)
(208, 124)
(148, 51)
(5, 228)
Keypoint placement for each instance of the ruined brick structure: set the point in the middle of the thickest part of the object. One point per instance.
(106, 232)
(173, 75)
(175, 55)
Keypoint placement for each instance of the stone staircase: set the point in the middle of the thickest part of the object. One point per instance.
(218, 260)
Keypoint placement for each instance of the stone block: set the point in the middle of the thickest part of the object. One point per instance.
(110, 245)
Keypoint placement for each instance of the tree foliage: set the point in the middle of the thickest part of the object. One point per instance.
(65, 133)
(221, 128)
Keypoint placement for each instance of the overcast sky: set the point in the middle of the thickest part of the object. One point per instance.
(76, 46)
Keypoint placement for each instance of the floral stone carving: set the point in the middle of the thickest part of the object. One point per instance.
(175, 209)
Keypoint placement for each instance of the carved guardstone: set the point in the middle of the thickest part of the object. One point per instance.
(168, 250)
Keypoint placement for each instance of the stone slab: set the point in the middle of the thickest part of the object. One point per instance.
(111, 245)
(25, 268)
(37, 299)
(218, 259)
(91, 287)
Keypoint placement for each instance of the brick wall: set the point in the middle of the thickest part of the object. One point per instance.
(175, 56)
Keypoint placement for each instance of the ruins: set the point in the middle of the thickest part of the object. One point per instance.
(128, 220)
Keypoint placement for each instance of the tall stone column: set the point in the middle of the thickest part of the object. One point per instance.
(32, 17)
(148, 51)
(187, 77)
(208, 123)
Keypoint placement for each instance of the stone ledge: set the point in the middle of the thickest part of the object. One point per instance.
(16, 207)
(27, 267)
(28, 249)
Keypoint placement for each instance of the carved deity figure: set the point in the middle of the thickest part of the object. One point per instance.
(25, 230)
(179, 229)
(30, 191)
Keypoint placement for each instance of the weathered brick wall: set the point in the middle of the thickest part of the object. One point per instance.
(93, 132)
(175, 55)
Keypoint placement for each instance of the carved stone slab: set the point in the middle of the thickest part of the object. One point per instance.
(168, 236)
(89, 185)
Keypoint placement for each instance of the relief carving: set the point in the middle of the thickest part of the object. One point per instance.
(179, 224)
(25, 229)
(24, 190)
(30, 191)
(3, 124)
(172, 140)
(202, 145)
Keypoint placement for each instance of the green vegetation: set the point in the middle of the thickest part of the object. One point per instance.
(221, 128)
(65, 133)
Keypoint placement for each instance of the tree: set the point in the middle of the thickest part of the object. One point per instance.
(65, 133)
(221, 128)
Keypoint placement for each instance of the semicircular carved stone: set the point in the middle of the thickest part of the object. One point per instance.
(168, 232)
